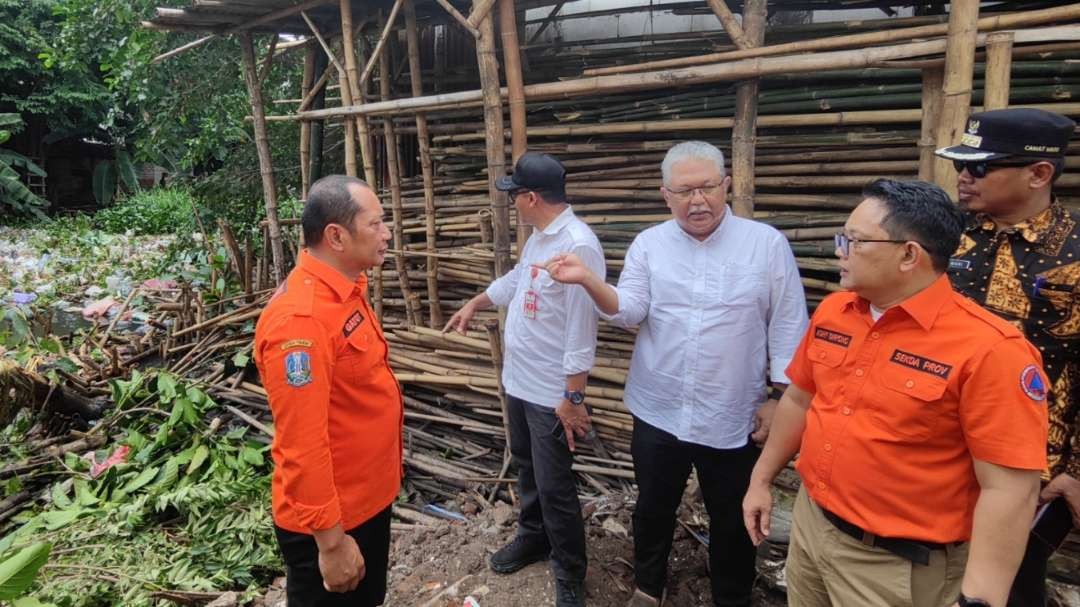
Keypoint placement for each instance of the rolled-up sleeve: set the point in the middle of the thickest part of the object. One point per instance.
(787, 319)
(501, 290)
(579, 351)
(633, 289)
(295, 365)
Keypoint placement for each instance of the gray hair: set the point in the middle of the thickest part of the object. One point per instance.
(687, 150)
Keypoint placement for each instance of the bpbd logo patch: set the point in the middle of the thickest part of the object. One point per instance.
(1033, 384)
(298, 368)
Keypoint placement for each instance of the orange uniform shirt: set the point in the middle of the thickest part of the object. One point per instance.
(901, 406)
(336, 404)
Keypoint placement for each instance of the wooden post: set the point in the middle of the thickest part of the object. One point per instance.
(305, 126)
(744, 132)
(343, 82)
(367, 146)
(932, 98)
(480, 11)
(458, 17)
(412, 38)
(493, 128)
(515, 92)
(318, 102)
(262, 145)
(999, 47)
(393, 169)
(959, 72)
(734, 31)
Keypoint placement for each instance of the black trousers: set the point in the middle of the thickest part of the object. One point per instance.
(550, 510)
(1029, 586)
(304, 582)
(661, 468)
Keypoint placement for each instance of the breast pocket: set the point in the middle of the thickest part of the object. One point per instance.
(742, 286)
(908, 404)
(355, 356)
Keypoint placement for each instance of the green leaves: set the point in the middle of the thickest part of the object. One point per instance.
(17, 572)
(104, 182)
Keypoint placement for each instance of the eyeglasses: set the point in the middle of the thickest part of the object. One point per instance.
(843, 242)
(688, 194)
(517, 192)
(979, 168)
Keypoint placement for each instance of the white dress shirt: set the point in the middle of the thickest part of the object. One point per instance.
(541, 348)
(714, 314)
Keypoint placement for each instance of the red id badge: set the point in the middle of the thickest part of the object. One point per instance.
(529, 305)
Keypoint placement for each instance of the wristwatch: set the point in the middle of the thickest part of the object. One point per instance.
(964, 601)
(576, 397)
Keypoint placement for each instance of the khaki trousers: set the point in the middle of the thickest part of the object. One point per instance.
(827, 567)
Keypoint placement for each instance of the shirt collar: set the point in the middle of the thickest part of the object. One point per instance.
(559, 222)
(923, 307)
(338, 283)
(1033, 230)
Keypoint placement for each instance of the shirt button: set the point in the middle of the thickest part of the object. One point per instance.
(820, 484)
(875, 335)
(828, 446)
(307, 281)
(910, 383)
(846, 410)
(858, 372)
(821, 355)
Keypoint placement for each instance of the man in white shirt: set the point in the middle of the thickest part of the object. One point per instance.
(720, 305)
(550, 344)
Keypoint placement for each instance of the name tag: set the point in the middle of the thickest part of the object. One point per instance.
(959, 264)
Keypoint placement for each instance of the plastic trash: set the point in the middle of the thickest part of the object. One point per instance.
(19, 297)
(99, 308)
(470, 601)
(98, 468)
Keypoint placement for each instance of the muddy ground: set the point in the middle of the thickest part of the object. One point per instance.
(443, 565)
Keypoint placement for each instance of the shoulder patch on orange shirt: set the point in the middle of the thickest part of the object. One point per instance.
(921, 363)
(352, 323)
(297, 343)
(1033, 384)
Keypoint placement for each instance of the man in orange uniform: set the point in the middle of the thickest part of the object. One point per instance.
(337, 406)
(920, 419)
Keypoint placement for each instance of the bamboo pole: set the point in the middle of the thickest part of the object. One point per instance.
(423, 140)
(999, 46)
(956, 90)
(480, 11)
(343, 80)
(996, 22)
(493, 126)
(932, 98)
(742, 40)
(547, 22)
(744, 131)
(376, 53)
(515, 84)
(394, 175)
(449, 8)
(262, 145)
(305, 127)
(367, 145)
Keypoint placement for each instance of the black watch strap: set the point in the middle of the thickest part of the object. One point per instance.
(576, 397)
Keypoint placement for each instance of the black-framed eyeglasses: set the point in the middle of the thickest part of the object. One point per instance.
(514, 193)
(843, 242)
(979, 168)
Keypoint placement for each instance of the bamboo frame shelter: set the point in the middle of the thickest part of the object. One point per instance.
(437, 98)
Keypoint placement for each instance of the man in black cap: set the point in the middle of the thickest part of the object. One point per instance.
(1020, 258)
(550, 344)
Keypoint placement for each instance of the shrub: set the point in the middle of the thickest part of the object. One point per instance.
(157, 211)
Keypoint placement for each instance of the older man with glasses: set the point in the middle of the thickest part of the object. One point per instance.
(720, 309)
(919, 419)
(1019, 257)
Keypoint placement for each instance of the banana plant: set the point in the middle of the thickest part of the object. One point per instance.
(13, 192)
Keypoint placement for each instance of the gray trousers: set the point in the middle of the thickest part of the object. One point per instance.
(550, 510)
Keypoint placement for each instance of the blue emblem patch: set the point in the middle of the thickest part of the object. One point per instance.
(298, 368)
(1033, 384)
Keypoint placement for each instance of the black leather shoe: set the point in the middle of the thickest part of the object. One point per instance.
(519, 553)
(569, 594)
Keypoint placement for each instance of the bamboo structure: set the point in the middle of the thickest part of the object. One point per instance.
(742, 39)
(998, 65)
(956, 89)
(493, 124)
(744, 129)
(515, 84)
(932, 82)
(305, 127)
(262, 144)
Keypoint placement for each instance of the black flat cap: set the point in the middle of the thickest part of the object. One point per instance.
(535, 171)
(1012, 132)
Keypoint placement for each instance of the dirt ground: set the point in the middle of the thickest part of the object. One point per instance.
(443, 565)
